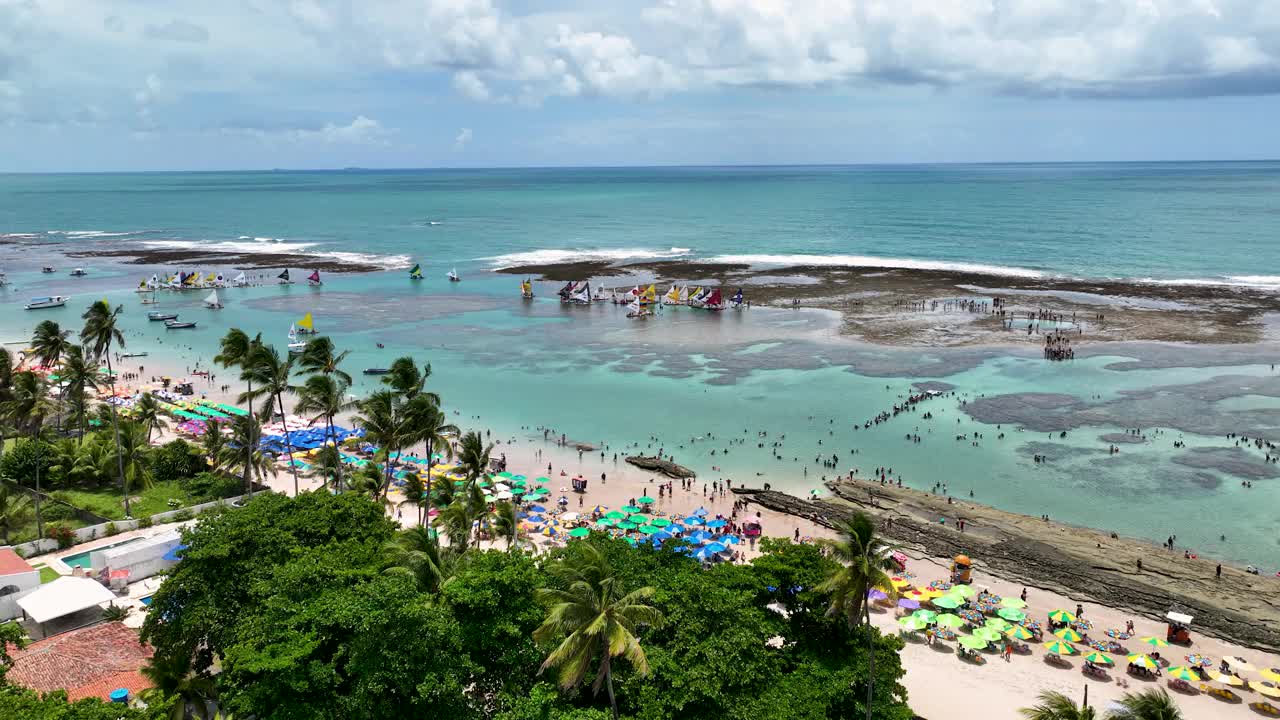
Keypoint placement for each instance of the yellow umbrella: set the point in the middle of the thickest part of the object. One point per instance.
(1226, 679)
(1068, 634)
(1265, 688)
(1142, 661)
(1062, 616)
(1155, 642)
(899, 583)
(1020, 633)
(1059, 647)
(1271, 674)
(1182, 672)
(1238, 663)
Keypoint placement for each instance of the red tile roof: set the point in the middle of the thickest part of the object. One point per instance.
(89, 662)
(11, 563)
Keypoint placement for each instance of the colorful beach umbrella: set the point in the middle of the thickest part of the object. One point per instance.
(1224, 678)
(645, 500)
(947, 620)
(1142, 661)
(1019, 633)
(972, 642)
(1012, 602)
(1068, 634)
(598, 510)
(1013, 614)
(962, 590)
(1098, 658)
(910, 623)
(616, 515)
(1181, 672)
(908, 603)
(947, 601)
(606, 522)
(659, 522)
(1062, 616)
(579, 532)
(1060, 648)
(1155, 642)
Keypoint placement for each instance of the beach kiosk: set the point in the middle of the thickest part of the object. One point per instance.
(1179, 628)
(960, 569)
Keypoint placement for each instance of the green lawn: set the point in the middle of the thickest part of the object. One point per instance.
(108, 503)
(47, 574)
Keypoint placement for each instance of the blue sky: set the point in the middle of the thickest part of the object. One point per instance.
(143, 85)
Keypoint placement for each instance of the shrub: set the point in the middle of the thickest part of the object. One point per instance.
(55, 511)
(116, 613)
(19, 461)
(65, 536)
(212, 486)
(146, 522)
(176, 460)
(182, 516)
(111, 529)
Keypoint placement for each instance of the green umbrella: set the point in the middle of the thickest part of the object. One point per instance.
(579, 532)
(483, 483)
(615, 515)
(949, 620)
(1068, 634)
(987, 634)
(1098, 658)
(627, 525)
(1060, 648)
(645, 500)
(639, 518)
(506, 474)
(948, 602)
(1062, 616)
(972, 642)
(1012, 602)
(911, 623)
(489, 498)
(928, 616)
(998, 625)
(1017, 632)
(649, 529)
(606, 522)
(660, 522)
(630, 508)
(518, 483)
(1013, 614)
(962, 590)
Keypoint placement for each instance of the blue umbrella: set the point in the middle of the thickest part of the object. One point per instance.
(175, 554)
(537, 508)
(662, 535)
(692, 521)
(535, 519)
(701, 512)
(730, 539)
(703, 554)
(716, 523)
(676, 527)
(715, 547)
(699, 536)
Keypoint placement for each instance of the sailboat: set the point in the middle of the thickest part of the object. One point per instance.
(526, 289)
(582, 296)
(416, 272)
(695, 297)
(306, 326)
(649, 296)
(672, 297)
(295, 346)
(737, 300)
(599, 295)
(567, 290)
(240, 280)
(636, 310)
(143, 287)
(284, 277)
(212, 302)
(314, 279)
(151, 300)
(713, 301)
(453, 275)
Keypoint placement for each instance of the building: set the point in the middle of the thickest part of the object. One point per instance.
(17, 580)
(131, 561)
(89, 662)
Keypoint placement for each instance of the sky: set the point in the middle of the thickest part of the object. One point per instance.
(90, 85)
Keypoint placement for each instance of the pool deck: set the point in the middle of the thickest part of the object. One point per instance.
(54, 559)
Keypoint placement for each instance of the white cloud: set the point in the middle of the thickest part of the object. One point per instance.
(464, 137)
(471, 86)
(177, 31)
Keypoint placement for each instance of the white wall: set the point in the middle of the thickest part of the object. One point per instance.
(27, 583)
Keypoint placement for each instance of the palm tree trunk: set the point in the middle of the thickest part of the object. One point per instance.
(248, 448)
(288, 443)
(39, 458)
(608, 681)
(329, 436)
(425, 513)
(871, 657)
(115, 425)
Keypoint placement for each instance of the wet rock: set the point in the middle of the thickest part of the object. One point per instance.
(665, 467)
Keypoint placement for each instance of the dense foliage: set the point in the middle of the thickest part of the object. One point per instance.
(295, 600)
(19, 702)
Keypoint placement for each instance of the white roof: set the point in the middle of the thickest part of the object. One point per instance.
(1179, 618)
(63, 597)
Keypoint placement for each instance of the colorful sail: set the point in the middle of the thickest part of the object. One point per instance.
(306, 323)
(314, 278)
(416, 272)
(737, 298)
(284, 275)
(673, 296)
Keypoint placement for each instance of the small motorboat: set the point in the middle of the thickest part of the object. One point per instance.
(53, 301)
(175, 325)
(161, 316)
(297, 348)
(134, 355)
(78, 272)
(376, 371)
(46, 269)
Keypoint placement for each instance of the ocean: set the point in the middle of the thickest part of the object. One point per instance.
(699, 384)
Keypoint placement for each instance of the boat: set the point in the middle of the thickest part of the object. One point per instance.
(134, 354)
(240, 280)
(526, 289)
(156, 316)
(305, 326)
(46, 269)
(649, 296)
(696, 297)
(672, 297)
(175, 325)
(376, 371)
(53, 301)
(416, 272)
(212, 302)
(297, 348)
(566, 291)
(599, 295)
(284, 277)
(453, 276)
(684, 295)
(737, 301)
(78, 272)
(150, 300)
(713, 301)
(636, 311)
(314, 279)
(582, 296)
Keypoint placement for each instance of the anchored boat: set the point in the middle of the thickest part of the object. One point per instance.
(53, 301)
(157, 316)
(175, 325)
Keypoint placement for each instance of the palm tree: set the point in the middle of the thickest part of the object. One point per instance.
(1154, 704)
(98, 336)
(134, 449)
(432, 427)
(235, 350)
(383, 419)
(78, 375)
(171, 678)
(596, 618)
(147, 412)
(864, 563)
(213, 443)
(15, 507)
(49, 342)
(415, 491)
(27, 408)
(506, 523)
(323, 397)
(328, 464)
(473, 456)
(271, 374)
(1057, 706)
(239, 456)
(417, 552)
(404, 377)
(318, 358)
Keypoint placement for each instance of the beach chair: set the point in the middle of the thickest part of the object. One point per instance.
(1095, 671)
(1182, 686)
(1263, 707)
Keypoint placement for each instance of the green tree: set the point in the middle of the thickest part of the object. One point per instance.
(240, 456)
(433, 428)
(15, 508)
(147, 411)
(185, 692)
(11, 633)
(213, 442)
(19, 702)
(382, 416)
(324, 397)
(415, 491)
(49, 342)
(597, 620)
(99, 336)
(1153, 704)
(271, 374)
(234, 351)
(319, 357)
(505, 522)
(1057, 706)
(473, 456)
(176, 460)
(416, 552)
(78, 376)
(328, 464)
(27, 408)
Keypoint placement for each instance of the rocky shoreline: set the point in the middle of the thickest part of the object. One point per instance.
(666, 467)
(1084, 564)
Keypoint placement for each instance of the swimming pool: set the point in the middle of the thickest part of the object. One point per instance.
(146, 600)
(81, 559)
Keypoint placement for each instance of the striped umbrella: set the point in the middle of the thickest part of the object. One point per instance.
(1060, 648)
(1062, 616)
(1020, 633)
(1068, 634)
(1142, 661)
(1181, 672)
(1098, 658)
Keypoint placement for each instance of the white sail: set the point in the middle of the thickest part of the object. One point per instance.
(212, 299)
(584, 295)
(293, 332)
(240, 280)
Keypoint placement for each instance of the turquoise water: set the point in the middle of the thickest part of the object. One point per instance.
(694, 381)
(81, 559)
